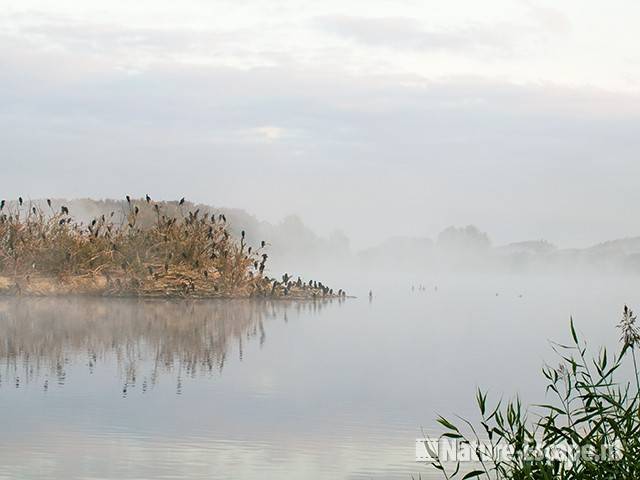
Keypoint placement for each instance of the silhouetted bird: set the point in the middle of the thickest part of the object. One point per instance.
(181, 201)
(136, 210)
(33, 209)
(242, 234)
(148, 198)
(49, 202)
(2, 204)
(64, 210)
(128, 199)
(263, 243)
(20, 200)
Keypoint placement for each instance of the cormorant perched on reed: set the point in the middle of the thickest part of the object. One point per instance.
(20, 200)
(64, 210)
(147, 198)
(49, 202)
(242, 234)
(128, 199)
(263, 243)
(181, 201)
(2, 204)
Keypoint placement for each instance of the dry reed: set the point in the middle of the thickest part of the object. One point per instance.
(146, 252)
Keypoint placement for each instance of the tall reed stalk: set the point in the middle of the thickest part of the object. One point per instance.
(590, 412)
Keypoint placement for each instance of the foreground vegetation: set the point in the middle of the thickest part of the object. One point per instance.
(592, 413)
(149, 249)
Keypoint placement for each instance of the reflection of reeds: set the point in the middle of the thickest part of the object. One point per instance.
(158, 249)
(44, 335)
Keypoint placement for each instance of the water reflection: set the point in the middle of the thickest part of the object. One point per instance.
(42, 337)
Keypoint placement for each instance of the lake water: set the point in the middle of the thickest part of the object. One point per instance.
(129, 389)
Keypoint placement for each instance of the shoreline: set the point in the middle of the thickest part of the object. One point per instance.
(104, 286)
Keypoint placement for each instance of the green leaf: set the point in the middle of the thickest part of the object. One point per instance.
(475, 473)
(446, 424)
(573, 332)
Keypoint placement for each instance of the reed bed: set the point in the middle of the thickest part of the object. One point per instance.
(152, 249)
(588, 429)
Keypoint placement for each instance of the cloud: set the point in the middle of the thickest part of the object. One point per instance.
(408, 33)
(341, 150)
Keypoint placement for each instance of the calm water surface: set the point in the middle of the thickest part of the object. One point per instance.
(128, 389)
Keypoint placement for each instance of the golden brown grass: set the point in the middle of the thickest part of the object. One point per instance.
(157, 250)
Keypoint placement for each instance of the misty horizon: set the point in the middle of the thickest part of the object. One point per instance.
(411, 117)
(290, 239)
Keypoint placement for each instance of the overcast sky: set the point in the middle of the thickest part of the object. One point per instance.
(374, 117)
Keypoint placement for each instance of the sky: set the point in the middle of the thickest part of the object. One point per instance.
(376, 118)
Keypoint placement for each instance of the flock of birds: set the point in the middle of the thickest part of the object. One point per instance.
(422, 288)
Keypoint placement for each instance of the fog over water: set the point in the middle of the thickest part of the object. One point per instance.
(467, 171)
(213, 389)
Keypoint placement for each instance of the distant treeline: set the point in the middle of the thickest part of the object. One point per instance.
(291, 242)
